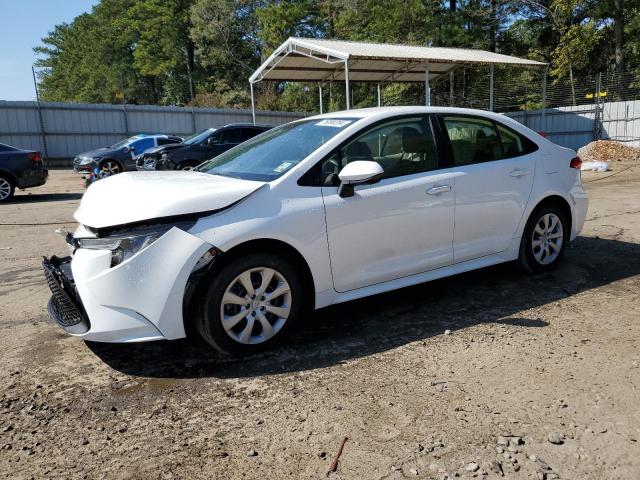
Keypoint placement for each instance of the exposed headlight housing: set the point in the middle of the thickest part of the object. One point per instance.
(125, 244)
(150, 164)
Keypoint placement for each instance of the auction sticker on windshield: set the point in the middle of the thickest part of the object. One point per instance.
(333, 123)
(282, 167)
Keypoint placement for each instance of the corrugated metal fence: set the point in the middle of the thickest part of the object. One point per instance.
(63, 130)
(576, 126)
(69, 129)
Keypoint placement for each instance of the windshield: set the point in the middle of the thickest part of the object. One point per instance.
(274, 152)
(123, 143)
(198, 138)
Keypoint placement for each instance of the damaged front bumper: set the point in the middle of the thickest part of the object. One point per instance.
(140, 299)
(64, 306)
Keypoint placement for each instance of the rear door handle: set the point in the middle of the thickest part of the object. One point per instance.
(437, 190)
(519, 172)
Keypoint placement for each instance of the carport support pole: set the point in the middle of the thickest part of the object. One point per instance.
(42, 131)
(379, 98)
(253, 104)
(346, 84)
(491, 88)
(427, 87)
(544, 95)
(320, 97)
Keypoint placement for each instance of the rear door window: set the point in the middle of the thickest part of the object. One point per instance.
(247, 133)
(473, 140)
(229, 136)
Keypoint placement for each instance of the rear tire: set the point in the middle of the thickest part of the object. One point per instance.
(188, 165)
(7, 188)
(111, 167)
(544, 240)
(250, 304)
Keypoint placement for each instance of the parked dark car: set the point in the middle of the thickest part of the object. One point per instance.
(120, 156)
(202, 146)
(152, 155)
(19, 168)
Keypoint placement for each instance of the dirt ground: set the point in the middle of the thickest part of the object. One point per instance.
(485, 374)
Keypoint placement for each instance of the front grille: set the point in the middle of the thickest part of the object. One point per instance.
(64, 306)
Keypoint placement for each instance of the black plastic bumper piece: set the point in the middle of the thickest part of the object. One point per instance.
(65, 307)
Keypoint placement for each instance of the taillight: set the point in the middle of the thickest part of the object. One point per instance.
(35, 156)
(543, 134)
(576, 163)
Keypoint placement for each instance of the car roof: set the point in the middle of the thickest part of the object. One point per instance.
(154, 135)
(392, 111)
(250, 125)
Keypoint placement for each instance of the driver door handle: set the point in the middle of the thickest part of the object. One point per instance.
(519, 172)
(438, 189)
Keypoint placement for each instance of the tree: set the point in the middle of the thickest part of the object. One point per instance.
(163, 48)
(159, 49)
(281, 19)
(142, 46)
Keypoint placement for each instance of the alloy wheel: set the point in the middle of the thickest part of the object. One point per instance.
(5, 189)
(255, 305)
(547, 239)
(110, 167)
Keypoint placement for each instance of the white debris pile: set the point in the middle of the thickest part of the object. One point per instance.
(595, 166)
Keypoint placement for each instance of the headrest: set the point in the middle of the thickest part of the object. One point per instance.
(359, 150)
(413, 141)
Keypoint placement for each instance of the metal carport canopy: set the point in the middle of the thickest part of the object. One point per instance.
(320, 60)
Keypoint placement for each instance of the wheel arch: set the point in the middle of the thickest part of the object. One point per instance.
(551, 199)
(189, 160)
(9, 176)
(281, 248)
(197, 283)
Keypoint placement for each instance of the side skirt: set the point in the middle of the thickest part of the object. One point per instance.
(327, 297)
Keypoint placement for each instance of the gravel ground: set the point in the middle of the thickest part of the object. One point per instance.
(486, 374)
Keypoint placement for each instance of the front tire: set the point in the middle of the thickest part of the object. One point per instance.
(250, 304)
(7, 189)
(110, 167)
(544, 239)
(190, 165)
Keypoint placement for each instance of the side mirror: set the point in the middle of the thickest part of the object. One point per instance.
(213, 141)
(129, 148)
(358, 173)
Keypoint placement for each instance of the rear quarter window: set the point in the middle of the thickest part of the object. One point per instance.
(513, 143)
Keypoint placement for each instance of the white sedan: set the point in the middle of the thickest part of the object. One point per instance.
(312, 213)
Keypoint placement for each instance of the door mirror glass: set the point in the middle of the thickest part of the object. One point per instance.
(357, 173)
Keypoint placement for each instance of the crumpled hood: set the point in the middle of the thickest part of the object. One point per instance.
(98, 152)
(137, 196)
(161, 148)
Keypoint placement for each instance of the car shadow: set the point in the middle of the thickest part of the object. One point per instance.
(376, 324)
(45, 197)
